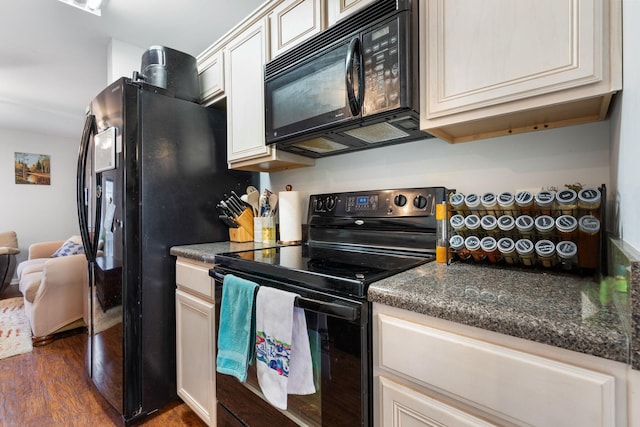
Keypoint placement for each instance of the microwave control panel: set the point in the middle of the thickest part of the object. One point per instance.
(382, 56)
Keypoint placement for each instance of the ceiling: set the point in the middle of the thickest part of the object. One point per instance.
(53, 57)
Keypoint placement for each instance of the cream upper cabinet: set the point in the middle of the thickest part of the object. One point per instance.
(495, 67)
(211, 75)
(338, 9)
(426, 373)
(245, 56)
(294, 21)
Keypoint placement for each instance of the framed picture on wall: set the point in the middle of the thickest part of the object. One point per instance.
(33, 168)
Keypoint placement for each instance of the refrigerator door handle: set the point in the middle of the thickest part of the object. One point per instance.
(82, 193)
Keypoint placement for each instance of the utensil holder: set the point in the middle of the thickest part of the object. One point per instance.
(244, 232)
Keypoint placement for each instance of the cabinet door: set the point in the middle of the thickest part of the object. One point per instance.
(211, 75)
(195, 340)
(339, 9)
(487, 52)
(402, 406)
(245, 57)
(292, 22)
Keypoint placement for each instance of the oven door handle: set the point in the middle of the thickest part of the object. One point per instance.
(330, 309)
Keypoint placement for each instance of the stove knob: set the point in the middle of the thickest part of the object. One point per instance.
(319, 205)
(400, 200)
(420, 202)
(330, 203)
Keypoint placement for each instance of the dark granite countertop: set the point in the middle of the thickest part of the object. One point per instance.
(206, 252)
(560, 310)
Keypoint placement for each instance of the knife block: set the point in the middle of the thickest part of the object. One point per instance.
(244, 232)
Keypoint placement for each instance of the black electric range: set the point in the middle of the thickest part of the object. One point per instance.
(354, 239)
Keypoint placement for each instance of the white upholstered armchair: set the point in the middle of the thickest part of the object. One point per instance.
(54, 283)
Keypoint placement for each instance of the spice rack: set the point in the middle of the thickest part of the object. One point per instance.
(560, 232)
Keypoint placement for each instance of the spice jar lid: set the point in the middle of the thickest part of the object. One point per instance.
(456, 200)
(506, 223)
(489, 222)
(506, 199)
(589, 195)
(524, 198)
(488, 244)
(524, 247)
(457, 221)
(472, 200)
(566, 223)
(472, 243)
(544, 223)
(545, 247)
(589, 224)
(506, 245)
(472, 221)
(567, 249)
(545, 198)
(566, 196)
(524, 223)
(488, 200)
(456, 242)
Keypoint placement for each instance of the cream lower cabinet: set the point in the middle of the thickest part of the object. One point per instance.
(428, 376)
(498, 67)
(195, 338)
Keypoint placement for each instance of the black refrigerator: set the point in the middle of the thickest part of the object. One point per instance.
(151, 168)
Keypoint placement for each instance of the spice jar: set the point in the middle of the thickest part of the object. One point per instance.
(545, 226)
(472, 222)
(567, 226)
(546, 251)
(524, 225)
(490, 204)
(489, 225)
(525, 203)
(506, 201)
(473, 204)
(588, 242)
(544, 202)
(567, 254)
(456, 243)
(457, 203)
(489, 246)
(525, 251)
(457, 223)
(507, 248)
(589, 202)
(567, 201)
(472, 244)
(507, 225)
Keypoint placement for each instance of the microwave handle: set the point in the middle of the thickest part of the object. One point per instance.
(354, 54)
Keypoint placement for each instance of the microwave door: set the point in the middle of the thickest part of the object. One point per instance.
(309, 96)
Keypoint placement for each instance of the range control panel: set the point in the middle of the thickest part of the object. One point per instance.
(403, 202)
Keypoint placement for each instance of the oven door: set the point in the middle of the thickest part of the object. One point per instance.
(339, 335)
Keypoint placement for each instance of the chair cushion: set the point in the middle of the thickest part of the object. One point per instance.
(29, 285)
(31, 266)
(68, 248)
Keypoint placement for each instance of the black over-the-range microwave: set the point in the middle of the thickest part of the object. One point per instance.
(351, 87)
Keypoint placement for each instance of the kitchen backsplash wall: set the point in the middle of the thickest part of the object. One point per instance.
(548, 158)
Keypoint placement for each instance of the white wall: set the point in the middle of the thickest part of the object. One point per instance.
(547, 158)
(38, 213)
(625, 132)
(122, 60)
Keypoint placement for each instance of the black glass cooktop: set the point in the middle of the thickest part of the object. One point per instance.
(342, 271)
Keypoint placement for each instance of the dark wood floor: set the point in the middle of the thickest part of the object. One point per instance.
(49, 387)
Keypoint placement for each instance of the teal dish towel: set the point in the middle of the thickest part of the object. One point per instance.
(236, 332)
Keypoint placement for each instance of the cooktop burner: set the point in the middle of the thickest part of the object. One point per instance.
(334, 270)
